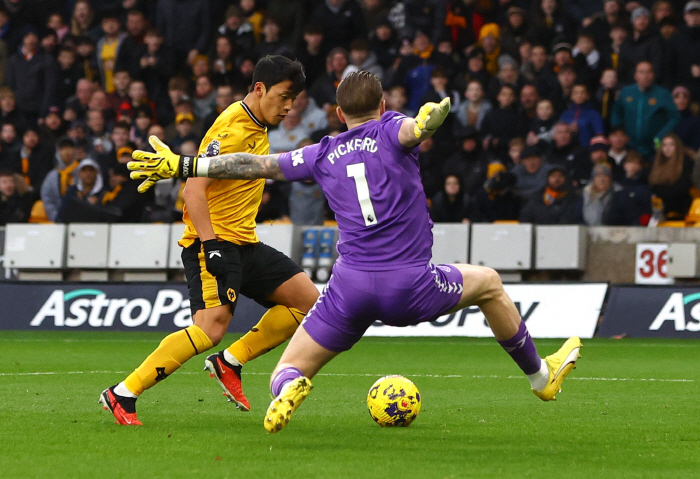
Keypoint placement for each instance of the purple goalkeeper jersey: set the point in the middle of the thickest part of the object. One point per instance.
(373, 185)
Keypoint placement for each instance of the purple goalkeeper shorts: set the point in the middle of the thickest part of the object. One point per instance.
(353, 300)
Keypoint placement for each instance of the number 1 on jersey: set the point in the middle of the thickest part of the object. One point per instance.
(357, 171)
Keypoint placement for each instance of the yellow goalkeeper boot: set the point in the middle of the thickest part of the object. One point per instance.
(289, 399)
(560, 365)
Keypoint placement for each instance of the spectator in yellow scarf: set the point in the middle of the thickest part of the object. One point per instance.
(489, 39)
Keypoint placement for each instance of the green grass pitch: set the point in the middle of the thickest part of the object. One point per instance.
(630, 409)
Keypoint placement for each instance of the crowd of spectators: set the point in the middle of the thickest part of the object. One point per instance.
(563, 111)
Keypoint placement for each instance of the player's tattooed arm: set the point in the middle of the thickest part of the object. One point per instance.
(244, 166)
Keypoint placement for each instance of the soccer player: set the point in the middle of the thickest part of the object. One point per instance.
(371, 178)
(223, 257)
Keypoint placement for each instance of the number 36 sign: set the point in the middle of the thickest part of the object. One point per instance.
(651, 266)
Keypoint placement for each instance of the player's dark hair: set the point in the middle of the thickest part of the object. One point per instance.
(359, 94)
(274, 69)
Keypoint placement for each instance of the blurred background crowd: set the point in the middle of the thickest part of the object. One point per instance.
(563, 111)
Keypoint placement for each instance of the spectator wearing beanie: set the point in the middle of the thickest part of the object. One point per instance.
(531, 173)
(689, 125)
(644, 44)
(597, 197)
(489, 40)
(555, 204)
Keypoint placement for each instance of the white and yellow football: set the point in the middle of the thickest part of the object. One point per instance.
(393, 401)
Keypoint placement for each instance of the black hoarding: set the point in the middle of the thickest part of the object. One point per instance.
(652, 312)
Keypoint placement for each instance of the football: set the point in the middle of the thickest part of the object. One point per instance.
(393, 401)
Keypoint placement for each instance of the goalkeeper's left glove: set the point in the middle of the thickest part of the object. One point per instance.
(430, 116)
(153, 167)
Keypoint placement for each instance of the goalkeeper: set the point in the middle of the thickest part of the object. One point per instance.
(371, 178)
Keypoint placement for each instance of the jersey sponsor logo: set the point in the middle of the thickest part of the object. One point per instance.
(252, 147)
(297, 157)
(213, 148)
(356, 144)
(222, 135)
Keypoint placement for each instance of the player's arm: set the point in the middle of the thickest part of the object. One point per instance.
(163, 164)
(195, 196)
(429, 118)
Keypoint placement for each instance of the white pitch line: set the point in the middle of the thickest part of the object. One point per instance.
(474, 342)
(442, 376)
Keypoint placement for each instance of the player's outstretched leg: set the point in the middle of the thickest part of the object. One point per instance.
(229, 378)
(483, 288)
(290, 387)
(276, 326)
(559, 365)
(171, 353)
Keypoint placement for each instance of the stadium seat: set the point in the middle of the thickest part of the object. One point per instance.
(35, 246)
(88, 245)
(277, 235)
(672, 224)
(38, 213)
(560, 247)
(174, 256)
(138, 246)
(330, 223)
(693, 215)
(505, 247)
(450, 243)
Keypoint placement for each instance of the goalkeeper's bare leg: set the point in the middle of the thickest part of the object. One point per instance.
(291, 380)
(483, 288)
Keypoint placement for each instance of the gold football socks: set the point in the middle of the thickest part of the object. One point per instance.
(173, 351)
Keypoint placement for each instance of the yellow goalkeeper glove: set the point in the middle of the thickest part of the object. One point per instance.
(430, 116)
(153, 167)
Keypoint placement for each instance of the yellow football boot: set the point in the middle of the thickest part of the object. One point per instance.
(560, 365)
(281, 408)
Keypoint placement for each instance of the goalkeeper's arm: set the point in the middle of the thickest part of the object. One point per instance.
(163, 164)
(429, 118)
(238, 166)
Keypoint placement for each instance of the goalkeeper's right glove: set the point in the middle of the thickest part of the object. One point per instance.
(430, 116)
(214, 258)
(160, 165)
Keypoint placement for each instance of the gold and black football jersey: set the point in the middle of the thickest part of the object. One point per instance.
(233, 204)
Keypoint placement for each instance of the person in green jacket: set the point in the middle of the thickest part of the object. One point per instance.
(646, 111)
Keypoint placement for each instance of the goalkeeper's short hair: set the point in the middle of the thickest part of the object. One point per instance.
(359, 94)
